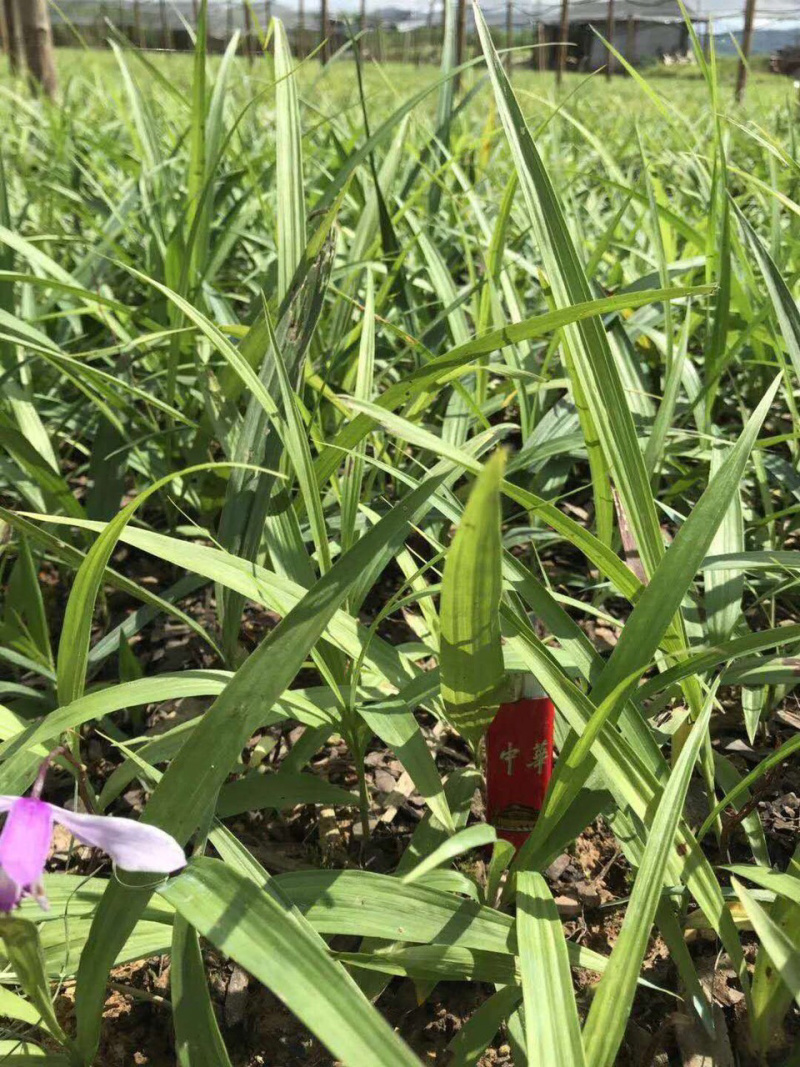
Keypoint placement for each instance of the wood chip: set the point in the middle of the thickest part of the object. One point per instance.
(398, 797)
(331, 841)
(558, 867)
(588, 894)
(236, 996)
(385, 782)
(568, 907)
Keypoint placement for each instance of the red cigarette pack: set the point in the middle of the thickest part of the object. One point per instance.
(519, 763)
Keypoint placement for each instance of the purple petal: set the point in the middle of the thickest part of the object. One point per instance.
(132, 845)
(10, 892)
(6, 802)
(25, 840)
(36, 891)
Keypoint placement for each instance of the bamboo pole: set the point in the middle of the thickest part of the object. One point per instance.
(37, 40)
(248, 42)
(561, 60)
(324, 20)
(137, 23)
(747, 40)
(509, 33)
(610, 39)
(13, 37)
(461, 40)
(166, 32)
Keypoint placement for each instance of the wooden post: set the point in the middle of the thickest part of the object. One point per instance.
(630, 40)
(37, 39)
(13, 36)
(461, 40)
(747, 40)
(561, 60)
(362, 24)
(610, 39)
(301, 29)
(248, 43)
(509, 33)
(166, 32)
(137, 23)
(541, 51)
(194, 12)
(228, 23)
(136, 35)
(324, 21)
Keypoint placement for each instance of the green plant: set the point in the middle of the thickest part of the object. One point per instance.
(278, 333)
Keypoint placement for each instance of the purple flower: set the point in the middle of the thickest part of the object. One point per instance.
(25, 845)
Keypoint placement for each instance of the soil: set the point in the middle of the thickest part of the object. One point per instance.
(589, 882)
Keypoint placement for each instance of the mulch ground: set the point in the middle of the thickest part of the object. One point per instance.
(588, 881)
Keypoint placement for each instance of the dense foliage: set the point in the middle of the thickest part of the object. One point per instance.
(261, 331)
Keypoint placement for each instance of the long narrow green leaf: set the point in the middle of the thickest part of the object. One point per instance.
(777, 757)
(782, 300)
(723, 589)
(608, 1016)
(471, 657)
(197, 144)
(465, 840)
(595, 368)
(291, 237)
(437, 369)
(23, 949)
(771, 996)
(73, 648)
(184, 794)
(552, 1026)
(198, 1042)
(259, 930)
(781, 949)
